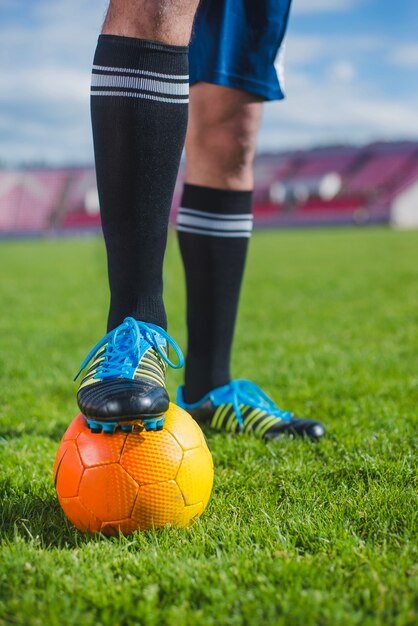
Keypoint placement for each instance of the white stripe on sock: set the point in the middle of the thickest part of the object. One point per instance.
(129, 70)
(218, 224)
(142, 84)
(137, 94)
(211, 233)
(224, 216)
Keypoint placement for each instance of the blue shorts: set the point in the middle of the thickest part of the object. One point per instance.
(238, 43)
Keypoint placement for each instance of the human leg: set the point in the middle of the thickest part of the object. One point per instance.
(166, 21)
(139, 104)
(238, 47)
(139, 115)
(214, 226)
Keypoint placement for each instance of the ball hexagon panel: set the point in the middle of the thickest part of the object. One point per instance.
(183, 427)
(151, 457)
(82, 519)
(68, 470)
(108, 492)
(195, 476)
(100, 449)
(158, 505)
(77, 425)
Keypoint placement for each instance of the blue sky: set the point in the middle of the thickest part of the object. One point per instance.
(351, 76)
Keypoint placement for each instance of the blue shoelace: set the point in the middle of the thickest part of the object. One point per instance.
(124, 345)
(248, 393)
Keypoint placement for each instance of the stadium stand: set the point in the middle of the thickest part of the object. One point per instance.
(384, 165)
(82, 202)
(332, 185)
(343, 185)
(28, 197)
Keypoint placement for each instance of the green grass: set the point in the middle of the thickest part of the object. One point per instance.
(296, 533)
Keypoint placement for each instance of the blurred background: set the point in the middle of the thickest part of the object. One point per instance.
(341, 149)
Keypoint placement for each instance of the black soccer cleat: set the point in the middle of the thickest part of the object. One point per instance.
(125, 383)
(241, 406)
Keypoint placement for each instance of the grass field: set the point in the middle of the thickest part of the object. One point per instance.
(296, 533)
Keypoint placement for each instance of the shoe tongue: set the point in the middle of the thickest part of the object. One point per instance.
(123, 341)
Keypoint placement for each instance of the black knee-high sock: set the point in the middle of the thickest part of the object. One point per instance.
(139, 99)
(214, 226)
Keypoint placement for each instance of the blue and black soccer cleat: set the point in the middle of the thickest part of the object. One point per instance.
(125, 383)
(241, 406)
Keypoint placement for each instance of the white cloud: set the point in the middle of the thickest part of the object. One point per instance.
(46, 141)
(44, 84)
(405, 55)
(317, 112)
(332, 97)
(307, 49)
(342, 71)
(302, 49)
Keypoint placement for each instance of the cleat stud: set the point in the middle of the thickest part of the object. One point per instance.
(127, 428)
(109, 428)
(153, 424)
(94, 426)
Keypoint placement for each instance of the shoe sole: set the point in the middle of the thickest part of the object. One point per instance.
(147, 423)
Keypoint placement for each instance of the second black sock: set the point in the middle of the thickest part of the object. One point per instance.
(214, 226)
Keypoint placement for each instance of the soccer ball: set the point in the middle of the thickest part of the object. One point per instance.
(123, 482)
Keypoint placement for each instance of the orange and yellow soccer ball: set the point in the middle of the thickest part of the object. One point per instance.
(134, 481)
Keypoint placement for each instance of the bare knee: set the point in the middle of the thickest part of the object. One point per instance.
(222, 137)
(230, 146)
(167, 21)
